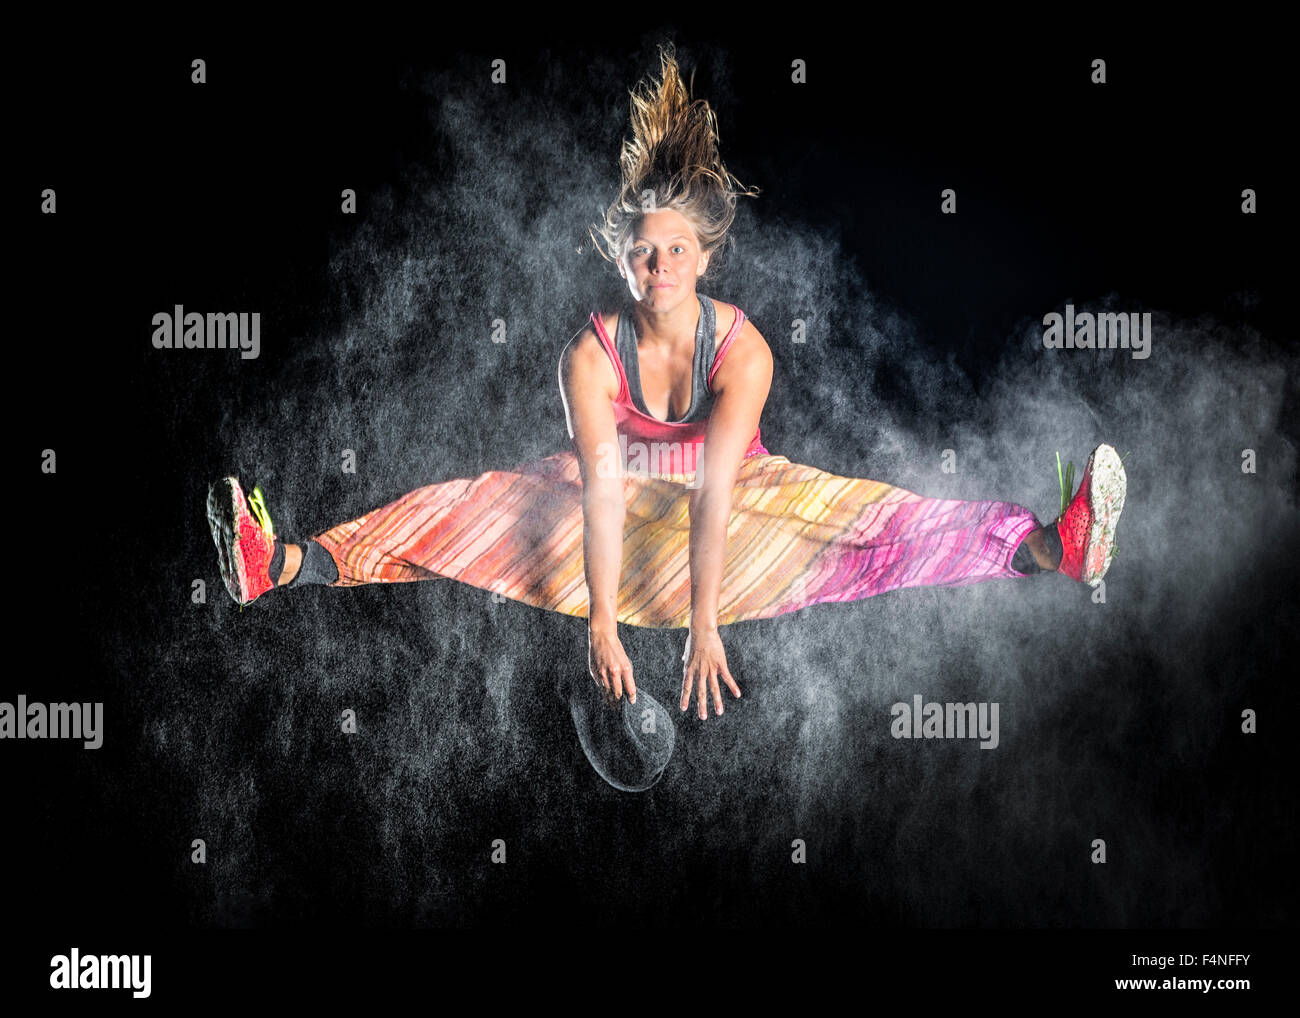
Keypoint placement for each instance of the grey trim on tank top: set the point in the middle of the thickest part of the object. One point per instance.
(706, 342)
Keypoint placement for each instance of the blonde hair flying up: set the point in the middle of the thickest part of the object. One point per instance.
(671, 162)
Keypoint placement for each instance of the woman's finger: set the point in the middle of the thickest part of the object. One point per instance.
(686, 687)
(702, 696)
(731, 683)
(717, 695)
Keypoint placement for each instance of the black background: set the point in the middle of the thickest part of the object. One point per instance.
(227, 194)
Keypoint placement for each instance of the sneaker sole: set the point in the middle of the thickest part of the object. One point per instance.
(1105, 501)
(224, 501)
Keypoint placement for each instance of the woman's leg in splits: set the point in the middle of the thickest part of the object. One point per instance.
(516, 533)
(799, 536)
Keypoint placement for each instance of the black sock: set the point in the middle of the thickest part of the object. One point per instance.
(277, 562)
(317, 566)
(1023, 560)
(1052, 537)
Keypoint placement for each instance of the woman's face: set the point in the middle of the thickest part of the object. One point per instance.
(663, 260)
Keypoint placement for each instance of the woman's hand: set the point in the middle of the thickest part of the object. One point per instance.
(609, 665)
(704, 660)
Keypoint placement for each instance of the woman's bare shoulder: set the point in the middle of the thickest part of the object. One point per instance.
(725, 316)
(748, 360)
(585, 360)
(585, 341)
(747, 337)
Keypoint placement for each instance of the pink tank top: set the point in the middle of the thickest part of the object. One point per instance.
(651, 446)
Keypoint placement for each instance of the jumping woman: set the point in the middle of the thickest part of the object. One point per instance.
(668, 511)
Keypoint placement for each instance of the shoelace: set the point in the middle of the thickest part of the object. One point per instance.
(1066, 481)
(257, 503)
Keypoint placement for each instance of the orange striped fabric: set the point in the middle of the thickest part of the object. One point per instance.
(797, 536)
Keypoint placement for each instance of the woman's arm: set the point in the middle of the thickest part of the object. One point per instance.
(740, 390)
(588, 386)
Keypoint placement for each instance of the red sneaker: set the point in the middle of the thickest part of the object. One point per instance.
(245, 539)
(1087, 527)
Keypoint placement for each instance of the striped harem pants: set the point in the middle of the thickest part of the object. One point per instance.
(797, 536)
